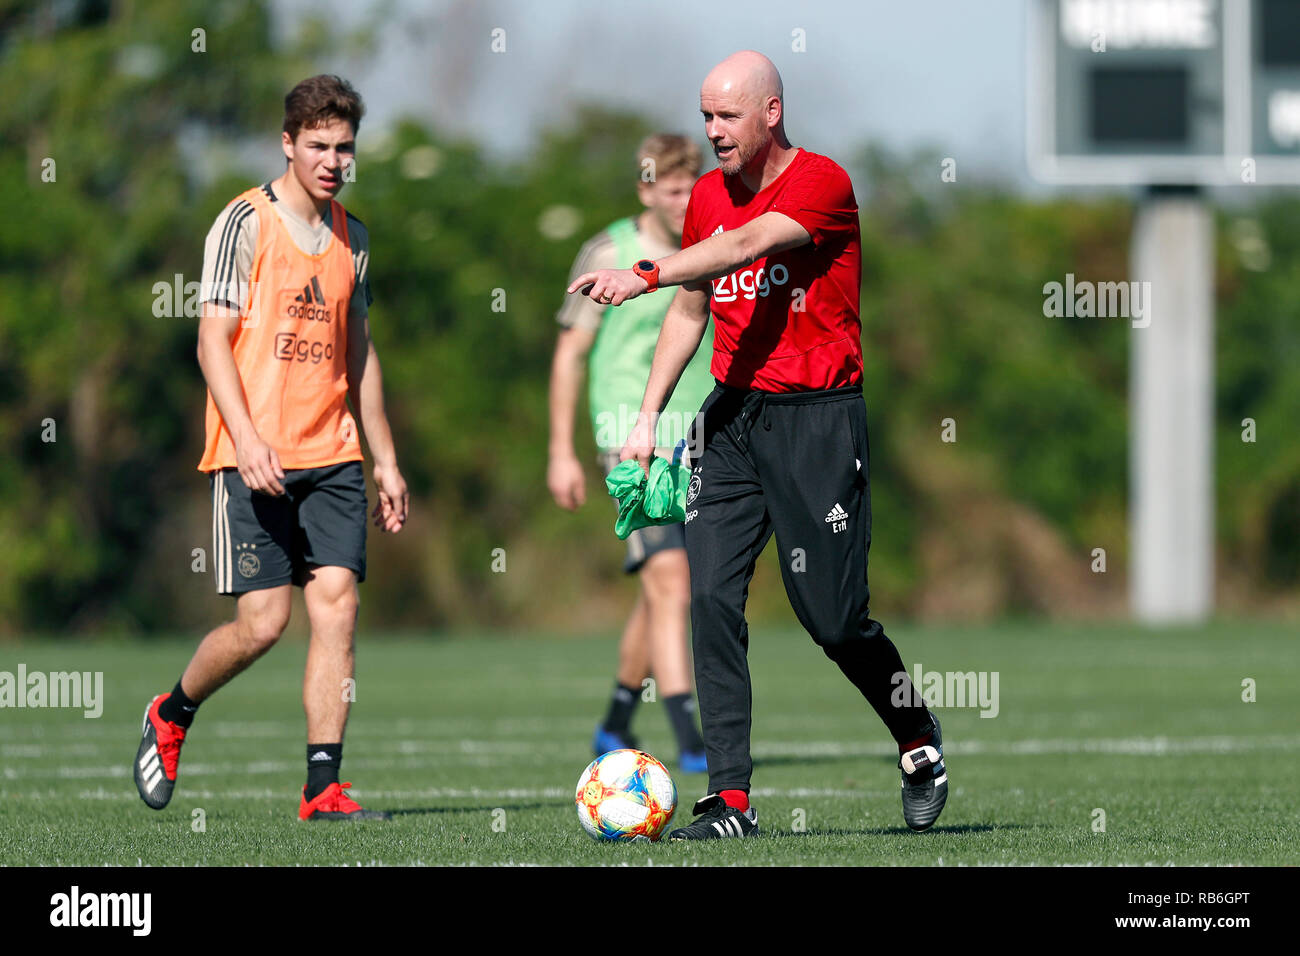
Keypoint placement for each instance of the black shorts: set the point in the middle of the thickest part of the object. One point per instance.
(650, 540)
(645, 542)
(263, 541)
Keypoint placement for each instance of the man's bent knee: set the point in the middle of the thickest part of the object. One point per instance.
(332, 599)
(262, 617)
(336, 612)
(847, 636)
(666, 579)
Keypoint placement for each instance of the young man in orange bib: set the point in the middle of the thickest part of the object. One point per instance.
(284, 341)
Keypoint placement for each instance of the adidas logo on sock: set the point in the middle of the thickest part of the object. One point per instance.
(838, 519)
(320, 755)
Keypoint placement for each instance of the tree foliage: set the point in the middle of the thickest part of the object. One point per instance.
(469, 256)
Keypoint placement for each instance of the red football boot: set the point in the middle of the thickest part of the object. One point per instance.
(333, 804)
(159, 753)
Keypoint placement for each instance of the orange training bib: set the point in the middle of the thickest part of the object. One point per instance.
(291, 349)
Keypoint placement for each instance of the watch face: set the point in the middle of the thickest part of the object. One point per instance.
(645, 265)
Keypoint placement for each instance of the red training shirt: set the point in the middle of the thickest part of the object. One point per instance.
(788, 322)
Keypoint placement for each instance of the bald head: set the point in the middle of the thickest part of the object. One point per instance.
(744, 116)
(748, 75)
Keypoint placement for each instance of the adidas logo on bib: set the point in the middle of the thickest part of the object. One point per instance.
(838, 519)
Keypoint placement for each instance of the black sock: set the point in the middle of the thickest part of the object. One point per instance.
(621, 705)
(323, 762)
(681, 711)
(177, 708)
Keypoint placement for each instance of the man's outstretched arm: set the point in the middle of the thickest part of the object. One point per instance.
(709, 258)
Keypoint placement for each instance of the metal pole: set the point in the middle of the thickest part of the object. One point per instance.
(1171, 396)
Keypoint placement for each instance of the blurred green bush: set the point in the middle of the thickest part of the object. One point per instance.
(98, 528)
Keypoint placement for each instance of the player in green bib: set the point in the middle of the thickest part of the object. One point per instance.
(619, 361)
(617, 347)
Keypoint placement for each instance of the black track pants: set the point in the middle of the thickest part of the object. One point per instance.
(794, 464)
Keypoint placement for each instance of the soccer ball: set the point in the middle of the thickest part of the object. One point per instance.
(625, 795)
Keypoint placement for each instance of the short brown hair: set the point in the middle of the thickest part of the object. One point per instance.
(670, 153)
(319, 99)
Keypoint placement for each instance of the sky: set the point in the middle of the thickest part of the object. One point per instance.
(945, 75)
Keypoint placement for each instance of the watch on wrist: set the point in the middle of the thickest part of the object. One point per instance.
(649, 271)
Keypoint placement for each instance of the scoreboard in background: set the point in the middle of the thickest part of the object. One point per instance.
(1176, 92)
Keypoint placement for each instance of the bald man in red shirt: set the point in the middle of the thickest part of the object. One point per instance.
(772, 249)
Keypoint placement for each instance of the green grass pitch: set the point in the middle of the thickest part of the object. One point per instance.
(476, 742)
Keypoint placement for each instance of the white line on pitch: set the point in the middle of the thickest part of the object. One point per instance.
(470, 793)
(480, 753)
